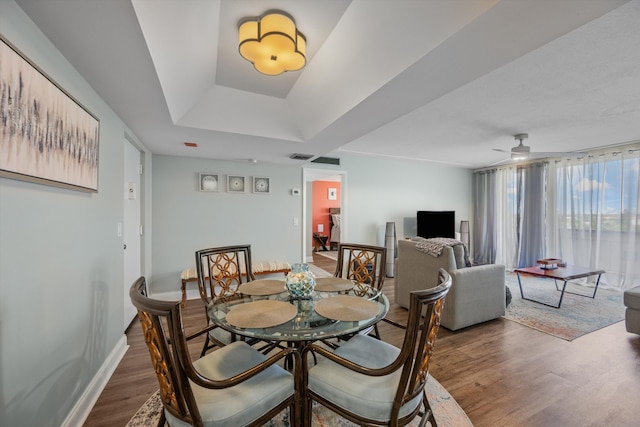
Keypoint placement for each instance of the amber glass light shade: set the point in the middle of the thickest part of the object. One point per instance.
(273, 44)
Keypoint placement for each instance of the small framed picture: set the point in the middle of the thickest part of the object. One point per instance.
(261, 185)
(209, 182)
(236, 184)
(332, 194)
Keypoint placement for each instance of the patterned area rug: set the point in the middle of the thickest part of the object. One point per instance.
(446, 411)
(576, 316)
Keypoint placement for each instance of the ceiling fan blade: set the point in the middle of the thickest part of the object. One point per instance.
(502, 151)
(500, 162)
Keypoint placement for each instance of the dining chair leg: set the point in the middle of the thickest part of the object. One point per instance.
(306, 408)
(376, 332)
(428, 413)
(391, 322)
(162, 421)
(205, 347)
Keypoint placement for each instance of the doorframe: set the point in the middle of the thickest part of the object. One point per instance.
(310, 174)
(142, 232)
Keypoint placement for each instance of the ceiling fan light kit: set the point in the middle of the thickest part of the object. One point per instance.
(523, 152)
(520, 152)
(272, 43)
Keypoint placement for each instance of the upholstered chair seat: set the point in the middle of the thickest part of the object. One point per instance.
(367, 396)
(238, 405)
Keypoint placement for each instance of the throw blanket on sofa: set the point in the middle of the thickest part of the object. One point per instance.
(435, 246)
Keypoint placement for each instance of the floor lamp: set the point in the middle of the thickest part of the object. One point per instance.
(464, 233)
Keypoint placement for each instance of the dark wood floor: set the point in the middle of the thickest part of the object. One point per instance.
(500, 372)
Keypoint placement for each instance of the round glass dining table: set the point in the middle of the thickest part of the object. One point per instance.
(301, 323)
(307, 324)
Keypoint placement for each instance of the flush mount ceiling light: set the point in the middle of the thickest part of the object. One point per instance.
(272, 43)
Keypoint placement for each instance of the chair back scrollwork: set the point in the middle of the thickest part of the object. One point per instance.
(222, 270)
(365, 264)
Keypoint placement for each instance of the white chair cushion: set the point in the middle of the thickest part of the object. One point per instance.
(367, 396)
(245, 402)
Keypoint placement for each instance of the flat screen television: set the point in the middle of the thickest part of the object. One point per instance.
(436, 224)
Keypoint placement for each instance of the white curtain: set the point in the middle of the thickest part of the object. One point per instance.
(507, 200)
(593, 215)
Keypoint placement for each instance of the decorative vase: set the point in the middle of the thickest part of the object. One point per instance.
(300, 281)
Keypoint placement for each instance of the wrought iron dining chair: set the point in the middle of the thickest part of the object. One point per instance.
(235, 385)
(371, 382)
(221, 271)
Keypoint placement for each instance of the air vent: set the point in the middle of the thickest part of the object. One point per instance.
(298, 156)
(327, 160)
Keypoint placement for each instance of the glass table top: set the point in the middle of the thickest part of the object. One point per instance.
(307, 325)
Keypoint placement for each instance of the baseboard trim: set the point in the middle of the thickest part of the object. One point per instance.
(81, 410)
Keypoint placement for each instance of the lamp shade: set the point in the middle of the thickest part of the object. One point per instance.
(272, 43)
(464, 233)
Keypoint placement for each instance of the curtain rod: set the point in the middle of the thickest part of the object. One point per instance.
(591, 154)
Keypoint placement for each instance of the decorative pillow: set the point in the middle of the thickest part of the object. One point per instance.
(458, 253)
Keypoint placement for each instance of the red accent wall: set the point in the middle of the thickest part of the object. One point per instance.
(321, 204)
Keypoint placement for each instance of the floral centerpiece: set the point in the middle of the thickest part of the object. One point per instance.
(300, 281)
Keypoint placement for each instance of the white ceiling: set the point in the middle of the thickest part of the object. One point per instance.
(433, 80)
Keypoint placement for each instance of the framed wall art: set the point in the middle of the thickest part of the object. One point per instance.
(46, 136)
(236, 184)
(209, 182)
(261, 185)
(332, 194)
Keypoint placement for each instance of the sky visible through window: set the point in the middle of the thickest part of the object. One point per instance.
(600, 195)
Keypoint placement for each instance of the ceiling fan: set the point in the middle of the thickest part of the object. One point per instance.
(523, 152)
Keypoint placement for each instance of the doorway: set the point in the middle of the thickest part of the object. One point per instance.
(309, 176)
(132, 230)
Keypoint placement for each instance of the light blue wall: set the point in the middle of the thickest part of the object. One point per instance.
(186, 220)
(61, 262)
(382, 190)
(377, 191)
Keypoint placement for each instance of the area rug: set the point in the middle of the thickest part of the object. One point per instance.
(446, 410)
(576, 316)
(328, 254)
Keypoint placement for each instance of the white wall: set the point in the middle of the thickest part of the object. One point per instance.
(61, 263)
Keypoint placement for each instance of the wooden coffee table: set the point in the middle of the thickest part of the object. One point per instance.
(570, 272)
